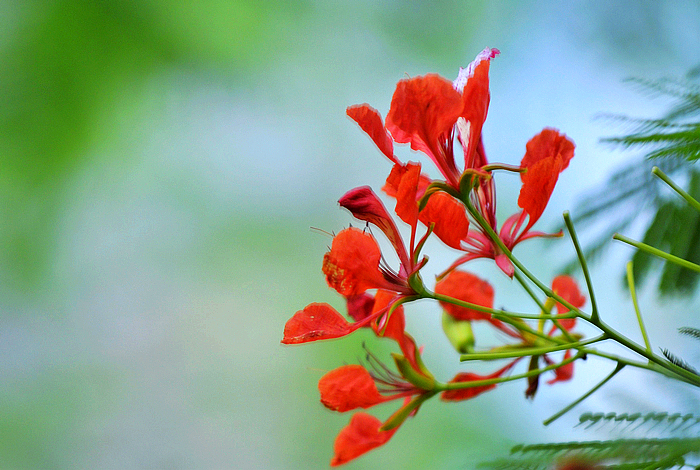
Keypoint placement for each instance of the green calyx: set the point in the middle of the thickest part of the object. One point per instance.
(414, 377)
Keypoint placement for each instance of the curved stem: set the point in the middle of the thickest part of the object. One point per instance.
(689, 199)
(556, 416)
(633, 293)
(529, 351)
(497, 240)
(656, 252)
(584, 265)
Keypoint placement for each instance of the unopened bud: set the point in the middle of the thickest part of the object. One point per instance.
(459, 332)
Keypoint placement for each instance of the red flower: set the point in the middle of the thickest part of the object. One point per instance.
(427, 112)
(353, 386)
(547, 154)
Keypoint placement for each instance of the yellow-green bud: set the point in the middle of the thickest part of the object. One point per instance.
(459, 332)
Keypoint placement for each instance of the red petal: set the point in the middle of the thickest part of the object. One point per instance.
(547, 145)
(395, 329)
(360, 436)
(316, 321)
(397, 323)
(407, 195)
(449, 216)
(506, 265)
(349, 387)
(393, 181)
(471, 392)
(371, 122)
(538, 184)
(422, 110)
(466, 393)
(563, 373)
(360, 306)
(475, 97)
(566, 287)
(468, 288)
(352, 265)
(547, 155)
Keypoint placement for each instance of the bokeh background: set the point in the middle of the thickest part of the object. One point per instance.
(162, 164)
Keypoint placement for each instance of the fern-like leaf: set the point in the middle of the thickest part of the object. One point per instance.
(678, 361)
(671, 142)
(676, 451)
(693, 332)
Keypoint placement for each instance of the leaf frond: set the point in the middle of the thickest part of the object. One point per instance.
(693, 332)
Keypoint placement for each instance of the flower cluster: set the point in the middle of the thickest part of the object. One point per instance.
(437, 117)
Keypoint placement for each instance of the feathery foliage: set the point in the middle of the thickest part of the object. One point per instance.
(671, 142)
(678, 450)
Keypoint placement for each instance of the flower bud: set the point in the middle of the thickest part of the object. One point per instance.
(459, 332)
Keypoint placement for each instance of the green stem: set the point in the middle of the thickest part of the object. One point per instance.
(498, 380)
(536, 316)
(530, 292)
(690, 199)
(400, 416)
(656, 252)
(528, 351)
(633, 293)
(672, 369)
(556, 416)
(584, 265)
(496, 239)
(669, 368)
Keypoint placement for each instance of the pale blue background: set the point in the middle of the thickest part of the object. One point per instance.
(161, 166)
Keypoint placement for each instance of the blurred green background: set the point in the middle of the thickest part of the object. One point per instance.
(162, 162)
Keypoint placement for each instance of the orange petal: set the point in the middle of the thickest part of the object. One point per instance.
(371, 122)
(360, 436)
(316, 321)
(349, 387)
(547, 145)
(449, 217)
(423, 109)
(547, 155)
(468, 288)
(352, 265)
